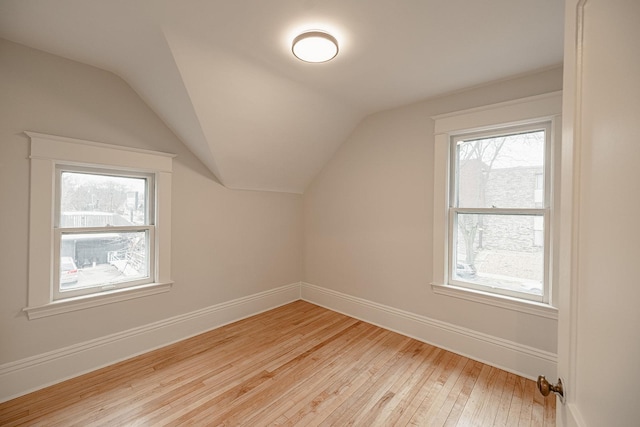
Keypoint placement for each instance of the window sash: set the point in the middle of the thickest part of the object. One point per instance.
(150, 193)
(58, 293)
(453, 246)
(512, 130)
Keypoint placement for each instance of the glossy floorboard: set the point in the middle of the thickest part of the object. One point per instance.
(299, 364)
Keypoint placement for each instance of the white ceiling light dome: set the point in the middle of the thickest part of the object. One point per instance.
(315, 46)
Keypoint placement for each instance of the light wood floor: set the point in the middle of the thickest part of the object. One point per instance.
(296, 365)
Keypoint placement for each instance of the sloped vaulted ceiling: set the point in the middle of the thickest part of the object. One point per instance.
(220, 72)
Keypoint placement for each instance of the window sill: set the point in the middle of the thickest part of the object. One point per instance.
(87, 301)
(509, 303)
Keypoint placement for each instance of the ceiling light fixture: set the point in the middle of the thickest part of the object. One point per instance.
(315, 46)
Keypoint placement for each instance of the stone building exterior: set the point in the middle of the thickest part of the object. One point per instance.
(501, 245)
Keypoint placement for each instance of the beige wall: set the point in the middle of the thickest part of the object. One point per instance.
(225, 244)
(368, 216)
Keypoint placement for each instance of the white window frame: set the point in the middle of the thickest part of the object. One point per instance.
(149, 228)
(49, 153)
(544, 212)
(521, 112)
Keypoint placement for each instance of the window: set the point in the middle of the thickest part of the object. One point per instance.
(104, 234)
(493, 200)
(100, 228)
(498, 210)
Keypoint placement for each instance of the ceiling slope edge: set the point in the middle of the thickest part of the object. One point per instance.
(266, 132)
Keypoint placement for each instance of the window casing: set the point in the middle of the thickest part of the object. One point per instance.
(542, 112)
(126, 230)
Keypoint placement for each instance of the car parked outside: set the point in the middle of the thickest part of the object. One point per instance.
(68, 271)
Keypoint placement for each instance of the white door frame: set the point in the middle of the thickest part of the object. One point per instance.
(568, 414)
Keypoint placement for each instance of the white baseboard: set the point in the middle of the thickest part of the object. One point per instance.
(36, 372)
(504, 354)
(33, 373)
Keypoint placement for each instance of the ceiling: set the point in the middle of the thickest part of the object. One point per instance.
(221, 75)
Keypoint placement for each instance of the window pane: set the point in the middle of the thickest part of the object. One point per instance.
(93, 200)
(501, 172)
(99, 259)
(500, 251)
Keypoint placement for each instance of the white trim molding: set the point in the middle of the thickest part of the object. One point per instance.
(46, 153)
(80, 303)
(33, 373)
(508, 355)
(569, 414)
(502, 301)
(519, 112)
(509, 113)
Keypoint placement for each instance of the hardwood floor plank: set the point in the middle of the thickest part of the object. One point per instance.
(513, 417)
(468, 381)
(296, 367)
(382, 392)
(314, 394)
(527, 404)
(489, 411)
(410, 389)
(537, 411)
(435, 403)
(353, 404)
(550, 410)
(298, 364)
(427, 389)
(236, 393)
(332, 397)
(478, 397)
(505, 401)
